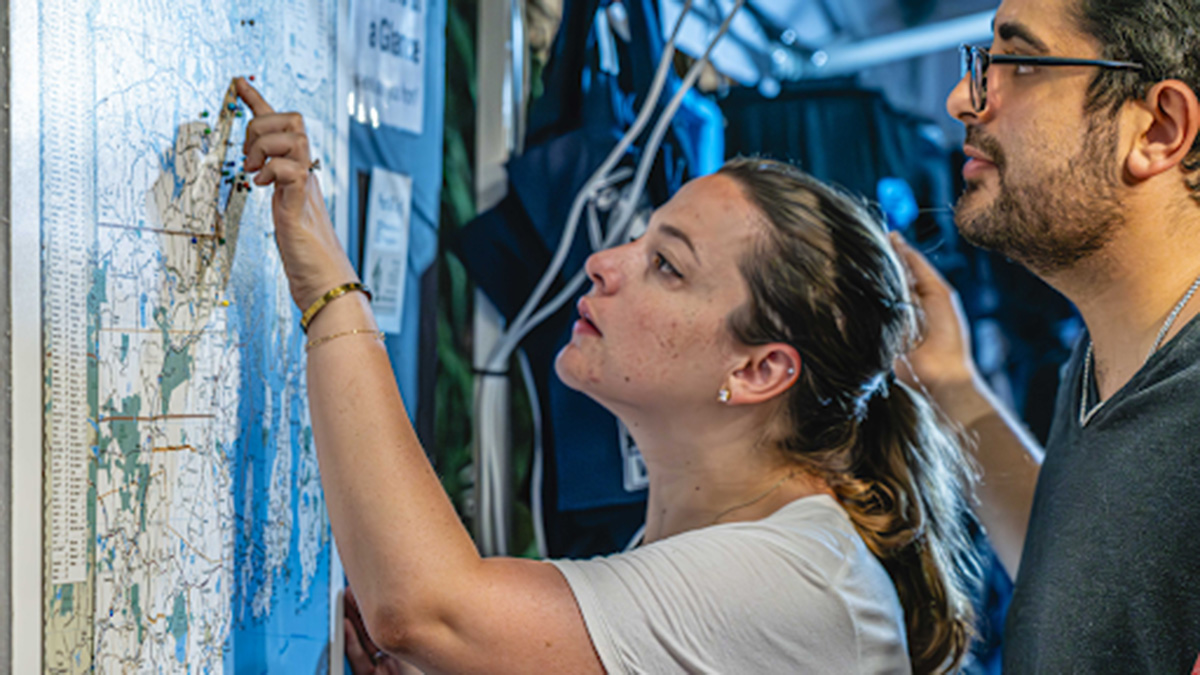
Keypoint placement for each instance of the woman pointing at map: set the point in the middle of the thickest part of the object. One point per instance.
(805, 511)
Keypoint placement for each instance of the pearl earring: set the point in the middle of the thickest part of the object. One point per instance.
(723, 395)
(791, 371)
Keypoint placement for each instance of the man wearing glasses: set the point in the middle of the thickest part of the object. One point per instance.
(1081, 126)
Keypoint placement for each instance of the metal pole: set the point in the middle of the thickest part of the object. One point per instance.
(906, 44)
(24, 240)
(500, 54)
(6, 449)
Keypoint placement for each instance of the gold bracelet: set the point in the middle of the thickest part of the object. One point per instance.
(334, 293)
(377, 334)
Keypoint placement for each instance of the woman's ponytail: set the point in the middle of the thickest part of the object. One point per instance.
(905, 494)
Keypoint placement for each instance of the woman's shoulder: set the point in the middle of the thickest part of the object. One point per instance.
(810, 541)
(813, 530)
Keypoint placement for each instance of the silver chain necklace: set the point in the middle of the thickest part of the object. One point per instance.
(1085, 415)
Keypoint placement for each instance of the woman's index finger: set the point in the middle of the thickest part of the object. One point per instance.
(257, 104)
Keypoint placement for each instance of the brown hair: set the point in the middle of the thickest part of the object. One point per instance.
(825, 280)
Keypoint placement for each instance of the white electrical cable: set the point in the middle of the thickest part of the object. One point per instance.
(517, 332)
(506, 345)
(595, 233)
(646, 162)
(635, 540)
(624, 214)
(626, 208)
(492, 526)
(538, 466)
(487, 426)
(629, 204)
(494, 532)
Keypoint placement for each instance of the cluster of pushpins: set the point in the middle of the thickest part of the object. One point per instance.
(238, 182)
(229, 171)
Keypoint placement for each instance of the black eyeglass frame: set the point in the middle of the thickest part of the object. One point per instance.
(976, 60)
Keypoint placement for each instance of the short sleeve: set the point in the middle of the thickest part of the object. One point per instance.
(734, 598)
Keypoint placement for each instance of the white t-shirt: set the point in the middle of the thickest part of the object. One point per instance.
(796, 592)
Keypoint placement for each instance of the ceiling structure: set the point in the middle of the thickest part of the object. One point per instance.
(907, 48)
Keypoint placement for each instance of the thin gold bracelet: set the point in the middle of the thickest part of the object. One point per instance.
(377, 334)
(334, 293)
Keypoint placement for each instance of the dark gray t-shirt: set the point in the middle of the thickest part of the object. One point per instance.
(1110, 574)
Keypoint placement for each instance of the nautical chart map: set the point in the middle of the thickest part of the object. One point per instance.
(185, 528)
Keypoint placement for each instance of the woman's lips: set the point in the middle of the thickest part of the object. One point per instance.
(585, 327)
(585, 324)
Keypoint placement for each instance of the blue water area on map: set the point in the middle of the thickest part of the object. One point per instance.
(292, 636)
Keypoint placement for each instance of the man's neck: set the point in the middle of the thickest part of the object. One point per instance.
(1127, 291)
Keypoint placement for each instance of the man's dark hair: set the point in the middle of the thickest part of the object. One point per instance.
(1162, 35)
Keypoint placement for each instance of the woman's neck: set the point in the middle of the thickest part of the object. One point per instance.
(722, 474)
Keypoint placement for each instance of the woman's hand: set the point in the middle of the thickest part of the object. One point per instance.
(277, 148)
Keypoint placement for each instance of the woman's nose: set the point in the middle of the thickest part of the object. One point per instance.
(603, 268)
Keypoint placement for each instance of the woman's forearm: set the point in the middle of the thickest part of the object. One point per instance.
(400, 539)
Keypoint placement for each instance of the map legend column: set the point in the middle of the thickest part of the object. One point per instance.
(68, 266)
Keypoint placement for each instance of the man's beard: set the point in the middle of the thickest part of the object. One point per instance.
(1052, 221)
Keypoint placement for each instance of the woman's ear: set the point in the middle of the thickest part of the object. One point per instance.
(769, 371)
(1168, 120)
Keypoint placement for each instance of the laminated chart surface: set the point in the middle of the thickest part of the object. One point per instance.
(184, 526)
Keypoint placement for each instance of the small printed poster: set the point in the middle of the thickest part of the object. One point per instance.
(385, 267)
(388, 87)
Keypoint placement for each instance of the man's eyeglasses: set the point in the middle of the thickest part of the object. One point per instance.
(976, 60)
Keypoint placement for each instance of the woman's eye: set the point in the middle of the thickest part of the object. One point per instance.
(663, 265)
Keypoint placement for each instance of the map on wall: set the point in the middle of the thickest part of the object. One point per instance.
(185, 527)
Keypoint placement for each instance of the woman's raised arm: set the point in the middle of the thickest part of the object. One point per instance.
(424, 591)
